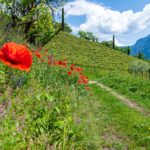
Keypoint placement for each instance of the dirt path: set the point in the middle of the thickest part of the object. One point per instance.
(123, 99)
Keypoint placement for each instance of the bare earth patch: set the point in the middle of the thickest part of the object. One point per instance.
(113, 142)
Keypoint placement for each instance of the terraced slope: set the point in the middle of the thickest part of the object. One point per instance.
(89, 54)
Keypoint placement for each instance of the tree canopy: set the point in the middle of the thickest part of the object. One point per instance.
(88, 36)
(34, 16)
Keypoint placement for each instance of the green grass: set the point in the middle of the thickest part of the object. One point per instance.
(88, 54)
(47, 109)
(121, 127)
(101, 63)
(37, 109)
(125, 127)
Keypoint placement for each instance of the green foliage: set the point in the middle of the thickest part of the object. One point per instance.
(139, 67)
(2, 76)
(43, 27)
(107, 44)
(88, 36)
(49, 110)
(58, 26)
(37, 108)
(107, 114)
(33, 17)
(67, 28)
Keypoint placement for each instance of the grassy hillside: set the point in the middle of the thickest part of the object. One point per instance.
(105, 65)
(89, 54)
(47, 108)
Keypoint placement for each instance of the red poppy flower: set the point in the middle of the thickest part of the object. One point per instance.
(87, 88)
(85, 81)
(72, 67)
(80, 82)
(69, 73)
(78, 69)
(82, 77)
(37, 54)
(16, 56)
(33, 51)
(64, 63)
(60, 62)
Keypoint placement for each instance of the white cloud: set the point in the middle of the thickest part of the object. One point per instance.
(104, 21)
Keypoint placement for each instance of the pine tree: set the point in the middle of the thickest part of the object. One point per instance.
(113, 42)
(140, 55)
(63, 19)
(128, 50)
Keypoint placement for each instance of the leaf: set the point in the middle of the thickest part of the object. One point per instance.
(57, 109)
(38, 97)
(1, 72)
(59, 124)
(41, 130)
(50, 98)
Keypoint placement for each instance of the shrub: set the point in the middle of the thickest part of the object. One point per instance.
(138, 67)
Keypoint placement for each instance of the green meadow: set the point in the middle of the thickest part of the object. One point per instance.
(48, 108)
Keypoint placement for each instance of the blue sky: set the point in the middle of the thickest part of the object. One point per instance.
(122, 5)
(129, 20)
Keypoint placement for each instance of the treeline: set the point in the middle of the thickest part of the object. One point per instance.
(111, 44)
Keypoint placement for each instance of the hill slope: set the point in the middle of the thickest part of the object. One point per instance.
(142, 45)
(88, 54)
(47, 109)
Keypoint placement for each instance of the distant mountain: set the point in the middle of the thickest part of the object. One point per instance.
(142, 45)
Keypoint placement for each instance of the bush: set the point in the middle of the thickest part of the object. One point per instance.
(139, 67)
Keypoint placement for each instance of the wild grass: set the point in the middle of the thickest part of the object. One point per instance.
(47, 109)
(133, 86)
(121, 126)
(37, 108)
(109, 66)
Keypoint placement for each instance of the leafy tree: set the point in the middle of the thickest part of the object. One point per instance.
(67, 28)
(88, 36)
(34, 16)
(107, 43)
(137, 67)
